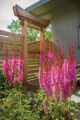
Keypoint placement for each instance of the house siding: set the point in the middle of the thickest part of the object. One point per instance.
(65, 24)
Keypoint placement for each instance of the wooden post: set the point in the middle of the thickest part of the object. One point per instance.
(25, 53)
(22, 30)
(42, 40)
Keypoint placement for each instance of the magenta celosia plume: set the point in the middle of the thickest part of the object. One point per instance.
(41, 79)
(8, 72)
(21, 62)
(21, 67)
(9, 76)
(65, 84)
(60, 75)
(20, 76)
(14, 63)
(6, 65)
(45, 82)
(50, 55)
(72, 61)
(73, 74)
(15, 80)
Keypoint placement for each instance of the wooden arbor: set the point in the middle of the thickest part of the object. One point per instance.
(28, 20)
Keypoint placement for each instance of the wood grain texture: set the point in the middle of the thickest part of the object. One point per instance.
(26, 16)
(4, 33)
(42, 39)
(25, 54)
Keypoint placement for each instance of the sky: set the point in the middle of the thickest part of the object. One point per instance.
(6, 11)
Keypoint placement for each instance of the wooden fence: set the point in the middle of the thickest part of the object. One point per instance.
(14, 41)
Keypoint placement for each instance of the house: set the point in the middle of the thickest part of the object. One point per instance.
(64, 15)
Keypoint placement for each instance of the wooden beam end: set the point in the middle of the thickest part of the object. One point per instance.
(15, 11)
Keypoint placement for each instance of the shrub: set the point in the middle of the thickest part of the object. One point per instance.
(20, 106)
(17, 106)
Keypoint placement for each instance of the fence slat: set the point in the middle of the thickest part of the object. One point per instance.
(4, 33)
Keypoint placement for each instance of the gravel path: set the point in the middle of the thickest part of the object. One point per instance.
(76, 97)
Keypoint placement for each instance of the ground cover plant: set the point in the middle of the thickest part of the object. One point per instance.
(57, 77)
(19, 105)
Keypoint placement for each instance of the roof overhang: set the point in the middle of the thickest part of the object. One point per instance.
(25, 15)
(44, 8)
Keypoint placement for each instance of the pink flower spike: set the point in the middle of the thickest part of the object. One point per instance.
(6, 65)
(9, 76)
(71, 55)
(55, 92)
(65, 86)
(21, 65)
(14, 63)
(44, 106)
(20, 76)
(21, 62)
(40, 78)
(61, 98)
(74, 75)
(50, 55)
(15, 80)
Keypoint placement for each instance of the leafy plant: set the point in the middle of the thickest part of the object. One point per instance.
(78, 79)
(61, 111)
(19, 105)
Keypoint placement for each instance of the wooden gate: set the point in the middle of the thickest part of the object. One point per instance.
(33, 61)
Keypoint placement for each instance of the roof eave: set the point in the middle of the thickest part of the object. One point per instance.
(41, 2)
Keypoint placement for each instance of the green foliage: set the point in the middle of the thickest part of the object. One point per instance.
(8, 87)
(33, 35)
(78, 79)
(19, 105)
(2, 85)
(61, 111)
(15, 27)
(48, 33)
(2, 81)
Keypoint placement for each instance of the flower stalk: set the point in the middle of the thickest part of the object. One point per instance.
(57, 74)
(13, 70)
